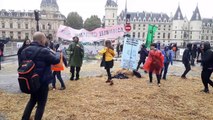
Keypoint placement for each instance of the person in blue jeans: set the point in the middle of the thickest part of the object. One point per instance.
(167, 60)
(58, 68)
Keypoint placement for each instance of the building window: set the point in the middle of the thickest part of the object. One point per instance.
(134, 26)
(11, 25)
(207, 31)
(133, 34)
(202, 38)
(158, 33)
(26, 35)
(168, 35)
(11, 34)
(19, 35)
(207, 37)
(143, 34)
(175, 36)
(26, 26)
(139, 34)
(158, 36)
(19, 26)
(3, 25)
(211, 37)
(175, 32)
(43, 27)
(164, 34)
(144, 25)
(3, 34)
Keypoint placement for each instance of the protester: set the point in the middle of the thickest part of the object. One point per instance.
(154, 63)
(49, 42)
(121, 48)
(76, 54)
(43, 61)
(200, 52)
(1, 51)
(2, 47)
(143, 54)
(207, 62)
(108, 54)
(175, 49)
(58, 68)
(194, 54)
(168, 58)
(118, 49)
(25, 44)
(186, 60)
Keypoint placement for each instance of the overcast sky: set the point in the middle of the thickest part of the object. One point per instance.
(86, 8)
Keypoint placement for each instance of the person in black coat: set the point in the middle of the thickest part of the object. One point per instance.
(25, 44)
(207, 62)
(186, 60)
(194, 54)
(43, 61)
(143, 54)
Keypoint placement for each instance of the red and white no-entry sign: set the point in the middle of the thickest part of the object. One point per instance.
(128, 27)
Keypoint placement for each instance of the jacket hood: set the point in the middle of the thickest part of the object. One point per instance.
(206, 46)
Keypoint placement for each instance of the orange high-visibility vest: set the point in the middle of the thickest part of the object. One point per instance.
(59, 66)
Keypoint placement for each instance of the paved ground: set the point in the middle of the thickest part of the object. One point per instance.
(9, 83)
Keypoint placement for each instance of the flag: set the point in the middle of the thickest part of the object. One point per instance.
(150, 35)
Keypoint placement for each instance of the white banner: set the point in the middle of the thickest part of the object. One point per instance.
(130, 54)
(112, 32)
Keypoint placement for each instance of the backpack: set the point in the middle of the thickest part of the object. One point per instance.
(29, 81)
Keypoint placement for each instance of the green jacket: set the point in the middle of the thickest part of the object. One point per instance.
(76, 54)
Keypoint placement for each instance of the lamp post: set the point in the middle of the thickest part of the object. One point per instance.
(36, 13)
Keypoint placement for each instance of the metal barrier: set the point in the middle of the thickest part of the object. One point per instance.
(10, 49)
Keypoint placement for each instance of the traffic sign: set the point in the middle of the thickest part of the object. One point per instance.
(128, 27)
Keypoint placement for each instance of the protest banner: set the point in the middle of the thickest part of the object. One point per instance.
(130, 54)
(113, 32)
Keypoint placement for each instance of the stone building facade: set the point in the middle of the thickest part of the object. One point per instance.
(171, 29)
(20, 25)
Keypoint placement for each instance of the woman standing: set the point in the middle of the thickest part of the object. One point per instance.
(108, 54)
(25, 44)
(154, 63)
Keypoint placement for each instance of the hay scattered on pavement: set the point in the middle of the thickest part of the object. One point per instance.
(92, 98)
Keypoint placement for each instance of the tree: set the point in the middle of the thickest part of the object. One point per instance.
(74, 20)
(92, 23)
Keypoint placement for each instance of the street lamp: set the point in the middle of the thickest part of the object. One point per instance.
(36, 13)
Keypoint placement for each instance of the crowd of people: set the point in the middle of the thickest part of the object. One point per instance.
(51, 60)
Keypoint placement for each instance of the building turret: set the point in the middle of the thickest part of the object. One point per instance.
(111, 9)
(195, 26)
(178, 27)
